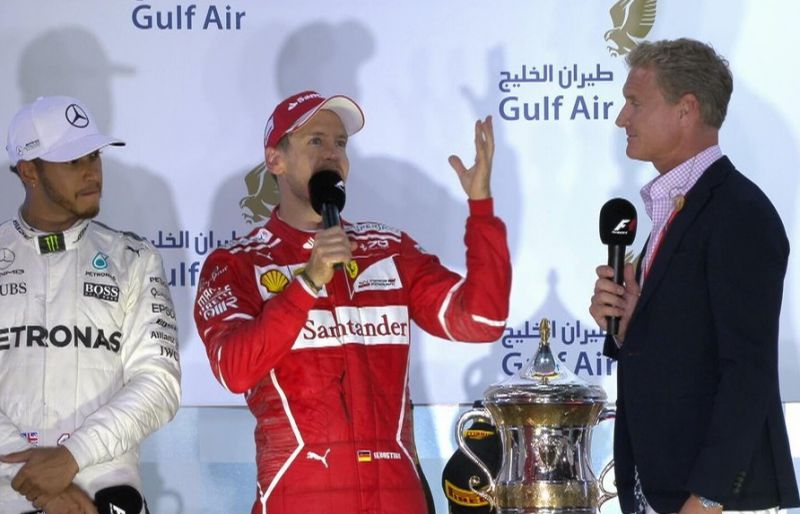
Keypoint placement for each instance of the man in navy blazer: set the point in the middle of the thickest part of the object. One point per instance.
(700, 425)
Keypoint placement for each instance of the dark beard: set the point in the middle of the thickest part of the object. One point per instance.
(62, 201)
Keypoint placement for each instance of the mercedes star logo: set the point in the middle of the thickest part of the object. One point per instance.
(6, 258)
(76, 116)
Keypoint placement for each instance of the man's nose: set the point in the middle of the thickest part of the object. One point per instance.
(622, 117)
(333, 151)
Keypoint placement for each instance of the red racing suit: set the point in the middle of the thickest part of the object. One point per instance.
(326, 375)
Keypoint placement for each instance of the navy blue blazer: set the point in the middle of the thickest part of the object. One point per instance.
(698, 402)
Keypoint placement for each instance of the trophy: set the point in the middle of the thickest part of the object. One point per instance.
(545, 416)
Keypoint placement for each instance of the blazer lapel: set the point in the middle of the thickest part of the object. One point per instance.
(696, 200)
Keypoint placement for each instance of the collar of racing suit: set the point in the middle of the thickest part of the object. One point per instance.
(301, 238)
(51, 242)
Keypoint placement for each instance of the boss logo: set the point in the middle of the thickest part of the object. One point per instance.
(105, 292)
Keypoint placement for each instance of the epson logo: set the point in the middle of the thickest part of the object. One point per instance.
(105, 292)
(158, 308)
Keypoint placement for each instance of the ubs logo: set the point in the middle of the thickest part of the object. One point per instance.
(13, 288)
(76, 116)
(6, 258)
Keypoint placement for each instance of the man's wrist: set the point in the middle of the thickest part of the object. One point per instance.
(309, 282)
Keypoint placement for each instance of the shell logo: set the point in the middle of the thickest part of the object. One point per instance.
(274, 281)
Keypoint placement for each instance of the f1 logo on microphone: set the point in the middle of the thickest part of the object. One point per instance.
(624, 226)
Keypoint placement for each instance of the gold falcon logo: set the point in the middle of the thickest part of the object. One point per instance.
(632, 21)
(262, 194)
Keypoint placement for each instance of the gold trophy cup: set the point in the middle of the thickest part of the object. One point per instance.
(545, 416)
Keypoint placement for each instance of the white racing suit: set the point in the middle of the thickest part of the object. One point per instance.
(88, 351)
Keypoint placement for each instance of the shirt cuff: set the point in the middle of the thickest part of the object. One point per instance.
(9, 471)
(484, 207)
(80, 451)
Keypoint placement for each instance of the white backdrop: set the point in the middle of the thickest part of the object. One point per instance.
(191, 101)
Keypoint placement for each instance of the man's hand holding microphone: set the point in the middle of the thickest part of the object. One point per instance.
(616, 290)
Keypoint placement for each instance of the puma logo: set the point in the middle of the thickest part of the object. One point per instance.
(322, 458)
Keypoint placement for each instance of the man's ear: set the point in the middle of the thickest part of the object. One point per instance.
(689, 105)
(28, 173)
(275, 161)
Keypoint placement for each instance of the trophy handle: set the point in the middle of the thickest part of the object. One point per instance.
(487, 493)
(606, 414)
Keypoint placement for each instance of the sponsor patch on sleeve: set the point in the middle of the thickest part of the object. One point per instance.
(214, 301)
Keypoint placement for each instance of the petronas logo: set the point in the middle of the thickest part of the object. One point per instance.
(100, 261)
(632, 21)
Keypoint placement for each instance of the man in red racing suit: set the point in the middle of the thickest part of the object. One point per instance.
(322, 354)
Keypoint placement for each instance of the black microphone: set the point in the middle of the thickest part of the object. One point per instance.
(326, 191)
(617, 230)
(119, 499)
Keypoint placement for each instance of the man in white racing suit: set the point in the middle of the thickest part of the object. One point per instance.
(88, 340)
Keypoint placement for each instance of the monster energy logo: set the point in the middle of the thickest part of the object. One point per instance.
(51, 243)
